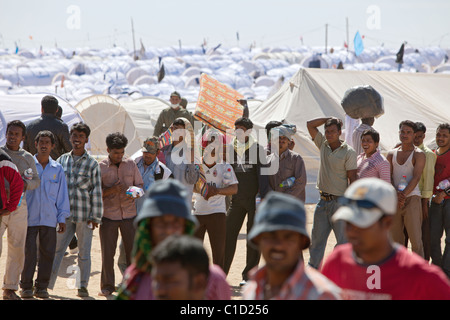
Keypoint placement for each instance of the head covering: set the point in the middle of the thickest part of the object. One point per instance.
(183, 102)
(151, 145)
(365, 201)
(166, 197)
(279, 211)
(163, 197)
(286, 130)
(175, 93)
(209, 134)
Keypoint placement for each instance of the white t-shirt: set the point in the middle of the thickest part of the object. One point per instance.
(214, 176)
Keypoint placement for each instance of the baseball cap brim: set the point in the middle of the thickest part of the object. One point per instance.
(362, 218)
(144, 149)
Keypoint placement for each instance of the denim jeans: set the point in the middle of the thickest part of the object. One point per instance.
(322, 226)
(439, 215)
(84, 235)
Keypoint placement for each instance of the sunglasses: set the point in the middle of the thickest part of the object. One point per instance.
(365, 204)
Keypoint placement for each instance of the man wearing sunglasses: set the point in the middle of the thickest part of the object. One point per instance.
(371, 265)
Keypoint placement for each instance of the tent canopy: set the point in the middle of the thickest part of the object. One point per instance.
(27, 108)
(314, 93)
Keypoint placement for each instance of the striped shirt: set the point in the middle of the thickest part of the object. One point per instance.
(85, 189)
(305, 283)
(376, 166)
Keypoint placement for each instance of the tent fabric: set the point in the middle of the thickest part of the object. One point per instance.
(314, 93)
(27, 108)
(105, 115)
(308, 94)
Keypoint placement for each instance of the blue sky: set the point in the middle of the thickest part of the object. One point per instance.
(264, 23)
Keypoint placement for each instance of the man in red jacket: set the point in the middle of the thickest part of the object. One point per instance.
(8, 171)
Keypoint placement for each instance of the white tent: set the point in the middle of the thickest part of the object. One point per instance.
(105, 115)
(313, 93)
(27, 108)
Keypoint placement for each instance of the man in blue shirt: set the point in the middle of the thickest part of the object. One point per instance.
(48, 208)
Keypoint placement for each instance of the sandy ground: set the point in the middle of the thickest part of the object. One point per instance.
(64, 285)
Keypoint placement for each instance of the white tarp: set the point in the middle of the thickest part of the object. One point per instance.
(27, 108)
(105, 115)
(314, 93)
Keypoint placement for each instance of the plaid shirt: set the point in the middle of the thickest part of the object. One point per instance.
(303, 284)
(85, 188)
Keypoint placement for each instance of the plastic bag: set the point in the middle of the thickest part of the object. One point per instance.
(363, 102)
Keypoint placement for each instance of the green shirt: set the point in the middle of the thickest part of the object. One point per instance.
(426, 181)
(334, 165)
(168, 116)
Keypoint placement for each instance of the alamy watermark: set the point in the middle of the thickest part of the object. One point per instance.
(374, 20)
(73, 21)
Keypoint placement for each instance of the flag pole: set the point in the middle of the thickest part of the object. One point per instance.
(346, 19)
(134, 42)
(326, 38)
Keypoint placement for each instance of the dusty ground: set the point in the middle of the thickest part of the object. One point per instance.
(64, 285)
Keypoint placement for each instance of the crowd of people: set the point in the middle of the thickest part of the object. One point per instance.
(186, 184)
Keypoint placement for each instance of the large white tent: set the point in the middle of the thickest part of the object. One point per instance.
(27, 108)
(313, 93)
(310, 93)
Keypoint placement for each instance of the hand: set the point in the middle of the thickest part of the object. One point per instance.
(439, 197)
(212, 191)
(94, 224)
(61, 227)
(4, 212)
(401, 199)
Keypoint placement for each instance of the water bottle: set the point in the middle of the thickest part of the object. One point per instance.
(403, 183)
(20, 201)
(227, 177)
(289, 182)
(444, 184)
(28, 174)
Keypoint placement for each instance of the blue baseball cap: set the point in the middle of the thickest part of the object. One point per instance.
(166, 197)
(279, 211)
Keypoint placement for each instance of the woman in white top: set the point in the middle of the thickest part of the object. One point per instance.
(211, 213)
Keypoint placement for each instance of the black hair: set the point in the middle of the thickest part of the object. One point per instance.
(373, 133)
(334, 121)
(17, 123)
(81, 127)
(186, 250)
(116, 140)
(421, 127)
(59, 112)
(49, 104)
(45, 133)
(445, 125)
(272, 124)
(179, 122)
(408, 123)
(245, 122)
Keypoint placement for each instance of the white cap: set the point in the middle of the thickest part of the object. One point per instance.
(365, 201)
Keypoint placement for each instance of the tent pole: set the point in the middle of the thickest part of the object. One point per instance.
(346, 19)
(134, 42)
